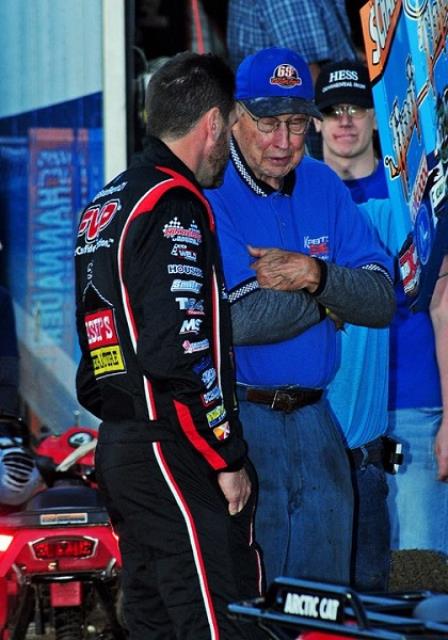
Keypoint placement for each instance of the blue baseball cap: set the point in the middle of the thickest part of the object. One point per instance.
(275, 81)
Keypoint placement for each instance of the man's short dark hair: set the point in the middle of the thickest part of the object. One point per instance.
(183, 89)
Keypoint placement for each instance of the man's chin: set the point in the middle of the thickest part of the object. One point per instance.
(213, 182)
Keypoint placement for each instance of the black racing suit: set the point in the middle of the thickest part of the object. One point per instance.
(154, 330)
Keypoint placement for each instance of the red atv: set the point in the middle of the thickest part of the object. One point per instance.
(59, 558)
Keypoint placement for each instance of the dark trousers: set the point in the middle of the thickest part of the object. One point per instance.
(371, 527)
(184, 557)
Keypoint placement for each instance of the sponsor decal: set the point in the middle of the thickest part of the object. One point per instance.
(192, 325)
(222, 432)
(317, 246)
(107, 360)
(100, 328)
(194, 347)
(432, 18)
(110, 191)
(379, 21)
(102, 337)
(216, 415)
(177, 233)
(186, 285)
(209, 377)
(185, 269)
(312, 606)
(285, 76)
(211, 395)
(203, 364)
(182, 251)
(192, 306)
(96, 218)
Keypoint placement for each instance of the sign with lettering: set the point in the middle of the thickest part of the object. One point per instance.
(407, 56)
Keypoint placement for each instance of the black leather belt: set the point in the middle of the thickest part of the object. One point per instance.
(371, 453)
(286, 399)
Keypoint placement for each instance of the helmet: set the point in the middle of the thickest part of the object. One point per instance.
(19, 476)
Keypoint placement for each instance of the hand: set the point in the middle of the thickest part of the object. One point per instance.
(285, 270)
(441, 450)
(236, 488)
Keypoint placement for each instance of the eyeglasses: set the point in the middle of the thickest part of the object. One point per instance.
(296, 125)
(350, 110)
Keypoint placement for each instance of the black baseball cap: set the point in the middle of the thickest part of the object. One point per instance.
(345, 82)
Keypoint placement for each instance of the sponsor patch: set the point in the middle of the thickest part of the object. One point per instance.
(222, 432)
(216, 415)
(186, 285)
(185, 269)
(192, 325)
(203, 364)
(194, 347)
(192, 306)
(211, 395)
(317, 246)
(176, 232)
(107, 360)
(96, 218)
(182, 251)
(209, 377)
(101, 243)
(102, 338)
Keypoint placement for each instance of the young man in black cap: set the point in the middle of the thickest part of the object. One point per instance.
(348, 128)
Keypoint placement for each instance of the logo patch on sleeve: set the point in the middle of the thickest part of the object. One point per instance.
(222, 432)
(105, 350)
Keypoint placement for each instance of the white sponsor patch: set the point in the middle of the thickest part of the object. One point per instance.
(209, 377)
(186, 285)
(182, 251)
(185, 269)
(192, 306)
(192, 325)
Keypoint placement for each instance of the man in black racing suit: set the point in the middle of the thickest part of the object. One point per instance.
(156, 367)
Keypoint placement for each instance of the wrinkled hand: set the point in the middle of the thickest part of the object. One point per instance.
(236, 488)
(441, 450)
(285, 270)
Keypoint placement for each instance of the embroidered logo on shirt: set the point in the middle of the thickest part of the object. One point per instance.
(317, 246)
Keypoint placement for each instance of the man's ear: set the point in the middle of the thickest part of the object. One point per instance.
(215, 123)
(317, 124)
(375, 124)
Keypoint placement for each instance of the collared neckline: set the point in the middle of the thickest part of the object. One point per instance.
(247, 175)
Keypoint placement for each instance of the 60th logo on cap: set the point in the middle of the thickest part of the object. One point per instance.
(285, 75)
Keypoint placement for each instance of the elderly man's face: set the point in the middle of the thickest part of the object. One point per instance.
(271, 156)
